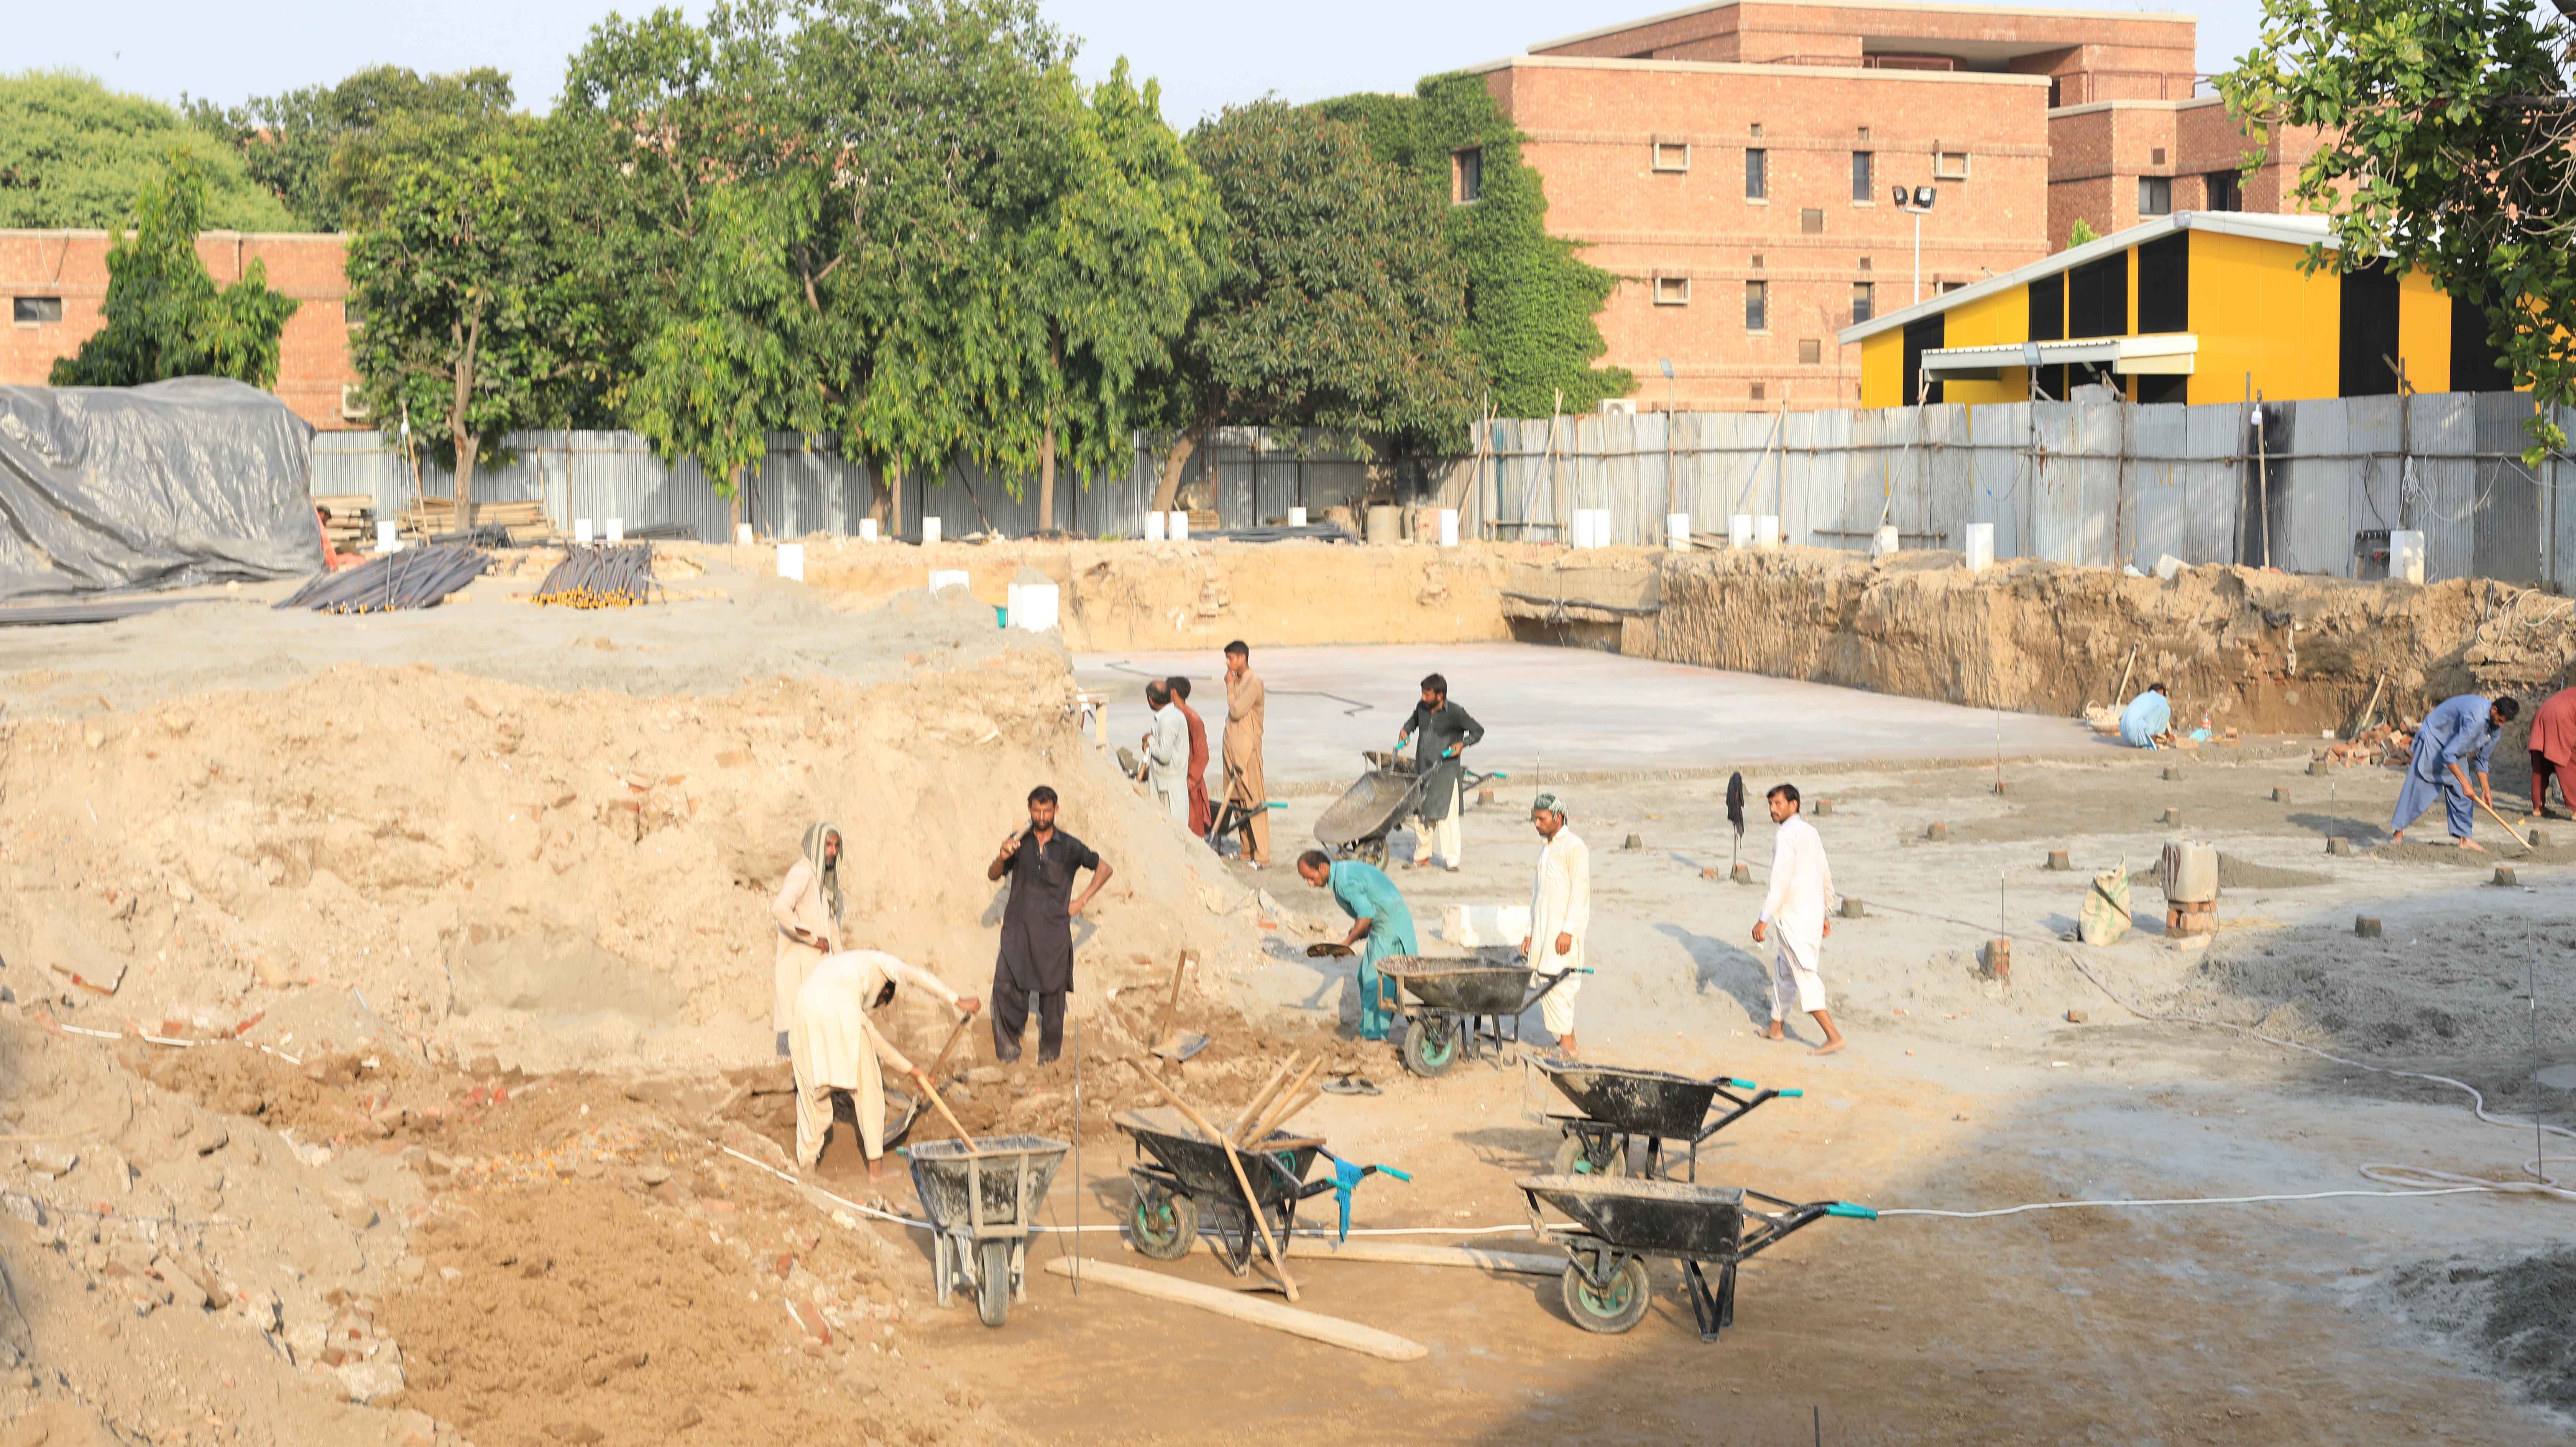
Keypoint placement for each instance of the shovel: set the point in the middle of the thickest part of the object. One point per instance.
(1177, 1045)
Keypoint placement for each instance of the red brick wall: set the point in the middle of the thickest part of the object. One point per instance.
(1592, 126)
(2097, 154)
(72, 265)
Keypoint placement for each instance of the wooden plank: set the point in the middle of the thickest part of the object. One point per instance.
(1259, 1311)
(1398, 1253)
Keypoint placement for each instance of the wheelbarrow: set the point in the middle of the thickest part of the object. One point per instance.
(982, 1198)
(1463, 1007)
(1622, 1221)
(1356, 824)
(1620, 1105)
(1184, 1186)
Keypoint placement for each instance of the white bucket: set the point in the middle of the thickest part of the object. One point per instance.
(581, 530)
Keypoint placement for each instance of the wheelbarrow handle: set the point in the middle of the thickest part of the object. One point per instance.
(1846, 1208)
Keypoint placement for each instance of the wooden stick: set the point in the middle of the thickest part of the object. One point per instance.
(2123, 685)
(1251, 1203)
(1261, 1098)
(1398, 1253)
(1314, 1326)
(1171, 1004)
(1270, 1121)
(2510, 832)
(1287, 1114)
(2370, 708)
(954, 1036)
(963, 1134)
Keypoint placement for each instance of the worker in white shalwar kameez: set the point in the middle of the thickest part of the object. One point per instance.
(1167, 754)
(835, 1045)
(1802, 893)
(1560, 917)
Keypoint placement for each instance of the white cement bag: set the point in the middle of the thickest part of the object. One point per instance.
(2104, 917)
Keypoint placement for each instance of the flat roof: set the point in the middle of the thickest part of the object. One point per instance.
(1739, 67)
(88, 233)
(2091, 107)
(2262, 226)
(1911, 9)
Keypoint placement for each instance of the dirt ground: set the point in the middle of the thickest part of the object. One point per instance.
(384, 1058)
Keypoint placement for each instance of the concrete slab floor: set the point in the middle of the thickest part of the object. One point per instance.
(1569, 710)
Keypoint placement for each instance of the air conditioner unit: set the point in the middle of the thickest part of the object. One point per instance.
(1618, 406)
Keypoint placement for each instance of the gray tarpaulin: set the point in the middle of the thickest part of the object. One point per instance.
(191, 481)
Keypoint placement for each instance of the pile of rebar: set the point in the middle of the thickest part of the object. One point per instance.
(412, 578)
(601, 575)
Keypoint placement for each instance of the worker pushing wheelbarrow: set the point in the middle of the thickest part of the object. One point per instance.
(1623, 1107)
(1391, 790)
(1621, 1222)
(1455, 1008)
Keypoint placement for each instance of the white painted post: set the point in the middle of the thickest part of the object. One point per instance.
(1739, 530)
(386, 542)
(581, 530)
(1178, 529)
(742, 532)
(617, 530)
(867, 530)
(1981, 547)
(1034, 606)
(1155, 522)
(929, 531)
(1448, 527)
(947, 578)
(791, 561)
(1766, 532)
(1296, 517)
(1677, 531)
(2406, 555)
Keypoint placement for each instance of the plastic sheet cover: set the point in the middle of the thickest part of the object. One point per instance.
(112, 489)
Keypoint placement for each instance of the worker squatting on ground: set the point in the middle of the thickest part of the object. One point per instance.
(1167, 752)
(1445, 730)
(1037, 927)
(1198, 763)
(2553, 750)
(1378, 915)
(837, 1046)
(1794, 917)
(2147, 723)
(2462, 729)
(333, 560)
(1247, 703)
(808, 912)
(1560, 915)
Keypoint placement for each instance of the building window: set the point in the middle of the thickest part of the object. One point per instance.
(1864, 301)
(1811, 222)
(1672, 155)
(2226, 191)
(1467, 175)
(1757, 306)
(29, 311)
(1757, 261)
(1864, 135)
(1950, 286)
(2156, 157)
(2056, 92)
(1810, 351)
(353, 402)
(1672, 291)
(1755, 392)
(1949, 165)
(1864, 263)
(2155, 195)
(1757, 175)
(1863, 188)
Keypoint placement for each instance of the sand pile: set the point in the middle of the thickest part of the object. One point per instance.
(2516, 1320)
(554, 879)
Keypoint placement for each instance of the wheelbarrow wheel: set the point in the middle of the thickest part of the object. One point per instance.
(1165, 1226)
(1610, 1311)
(1430, 1047)
(1573, 1160)
(1371, 851)
(993, 1288)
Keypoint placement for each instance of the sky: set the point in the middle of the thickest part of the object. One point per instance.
(1206, 55)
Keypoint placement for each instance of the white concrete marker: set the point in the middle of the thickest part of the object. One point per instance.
(2167, 565)
(1155, 522)
(929, 531)
(742, 533)
(947, 578)
(617, 530)
(1739, 530)
(1677, 531)
(1886, 541)
(581, 530)
(1980, 547)
(2406, 555)
(386, 542)
(1296, 517)
(791, 561)
(1034, 606)
(1178, 529)
(1448, 527)
(867, 530)
(1766, 532)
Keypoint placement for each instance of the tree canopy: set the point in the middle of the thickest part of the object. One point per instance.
(74, 154)
(164, 316)
(330, 153)
(2449, 146)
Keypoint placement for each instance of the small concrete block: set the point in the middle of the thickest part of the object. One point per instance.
(2173, 816)
(1853, 909)
(1742, 874)
(1937, 833)
(1635, 841)
(2318, 768)
(1998, 958)
(2539, 838)
(1484, 797)
(2058, 861)
(2366, 927)
(1824, 807)
(2504, 875)
(2280, 796)
(2076, 1017)
(2338, 846)
(2173, 773)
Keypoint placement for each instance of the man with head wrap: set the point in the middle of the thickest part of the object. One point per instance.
(1560, 916)
(837, 1046)
(807, 910)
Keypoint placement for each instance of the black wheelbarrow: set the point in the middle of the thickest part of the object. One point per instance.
(1188, 1187)
(1356, 824)
(1622, 1105)
(1463, 1007)
(1621, 1221)
(982, 1197)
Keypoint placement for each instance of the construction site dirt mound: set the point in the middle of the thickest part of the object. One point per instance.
(2515, 1319)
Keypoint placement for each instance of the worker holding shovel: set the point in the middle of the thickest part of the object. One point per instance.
(1378, 915)
(835, 1045)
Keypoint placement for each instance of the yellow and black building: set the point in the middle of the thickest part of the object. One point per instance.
(2198, 306)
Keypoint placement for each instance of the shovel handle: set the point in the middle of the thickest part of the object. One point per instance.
(964, 1135)
(954, 1035)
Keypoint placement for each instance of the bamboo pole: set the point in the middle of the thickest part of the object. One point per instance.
(1251, 1203)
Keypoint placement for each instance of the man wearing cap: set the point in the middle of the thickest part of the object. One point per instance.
(1560, 916)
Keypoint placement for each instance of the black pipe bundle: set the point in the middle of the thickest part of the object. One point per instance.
(412, 578)
(601, 575)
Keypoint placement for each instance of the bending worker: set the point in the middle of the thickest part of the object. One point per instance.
(1378, 915)
(808, 912)
(2147, 722)
(1445, 729)
(837, 1046)
(1560, 916)
(2461, 730)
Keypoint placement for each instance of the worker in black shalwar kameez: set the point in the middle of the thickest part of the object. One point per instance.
(1037, 927)
(1445, 729)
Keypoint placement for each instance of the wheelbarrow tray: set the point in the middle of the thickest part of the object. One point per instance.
(1369, 807)
(996, 1189)
(1199, 1165)
(1462, 987)
(1638, 1102)
(1650, 1217)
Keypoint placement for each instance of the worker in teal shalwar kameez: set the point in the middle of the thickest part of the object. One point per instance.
(1378, 915)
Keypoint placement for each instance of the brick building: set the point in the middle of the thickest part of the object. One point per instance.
(55, 282)
(1735, 164)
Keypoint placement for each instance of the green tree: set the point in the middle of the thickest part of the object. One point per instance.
(1338, 305)
(1531, 300)
(475, 325)
(74, 154)
(329, 153)
(164, 316)
(2082, 233)
(2449, 146)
